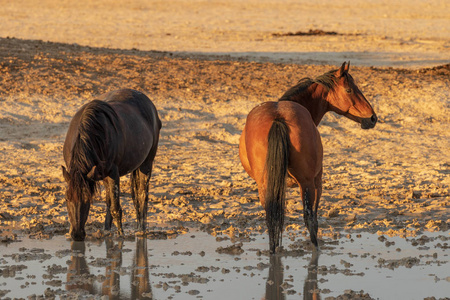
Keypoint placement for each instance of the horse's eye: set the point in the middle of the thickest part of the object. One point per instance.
(349, 91)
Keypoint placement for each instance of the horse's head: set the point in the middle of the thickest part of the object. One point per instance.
(78, 199)
(346, 99)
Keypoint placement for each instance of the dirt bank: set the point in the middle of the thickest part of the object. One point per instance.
(393, 179)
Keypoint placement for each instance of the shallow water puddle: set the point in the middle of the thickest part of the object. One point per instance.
(197, 265)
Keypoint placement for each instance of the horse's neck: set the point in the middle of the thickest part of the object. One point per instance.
(314, 99)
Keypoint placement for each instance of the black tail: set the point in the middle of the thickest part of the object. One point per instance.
(277, 162)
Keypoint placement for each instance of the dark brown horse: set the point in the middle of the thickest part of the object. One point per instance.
(281, 138)
(108, 138)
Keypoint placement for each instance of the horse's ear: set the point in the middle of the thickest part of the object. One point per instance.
(342, 70)
(347, 68)
(94, 174)
(66, 174)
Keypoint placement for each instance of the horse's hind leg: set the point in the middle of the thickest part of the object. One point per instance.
(140, 181)
(310, 202)
(113, 208)
(139, 193)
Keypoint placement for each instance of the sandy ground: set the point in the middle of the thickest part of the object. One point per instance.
(393, 179)
(411, 33)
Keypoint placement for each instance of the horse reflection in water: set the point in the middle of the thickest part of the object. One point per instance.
(274, 289)
(140, 280)
(111, 285)
(311, 288)
(78, 271)
(80, 279)
(275, 280)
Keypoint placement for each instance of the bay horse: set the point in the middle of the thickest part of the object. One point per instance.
(281, 139)
(109, 137)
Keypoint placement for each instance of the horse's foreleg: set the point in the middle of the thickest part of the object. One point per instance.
(318, 184)
(108, 217)
(113, 210)
(139, 192)
(315, 207)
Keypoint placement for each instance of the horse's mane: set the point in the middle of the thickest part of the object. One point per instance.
(326, 80)
(88, 149)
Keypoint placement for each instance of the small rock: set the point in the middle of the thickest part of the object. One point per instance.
(194, 292)
(332, 213)
(235, 249)
(416, 194)
(350, 218)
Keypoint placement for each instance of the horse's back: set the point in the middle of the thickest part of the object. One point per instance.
(294, 114)
(135, 99)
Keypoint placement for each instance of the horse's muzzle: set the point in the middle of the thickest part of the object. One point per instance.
(368, 123)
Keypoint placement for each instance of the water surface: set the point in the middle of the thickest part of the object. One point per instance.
(191, 267)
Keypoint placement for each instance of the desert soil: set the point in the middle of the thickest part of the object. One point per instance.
(204, 79)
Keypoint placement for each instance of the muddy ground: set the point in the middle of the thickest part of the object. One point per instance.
(393, 179)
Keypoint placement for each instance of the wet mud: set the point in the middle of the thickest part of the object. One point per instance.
(191, 266)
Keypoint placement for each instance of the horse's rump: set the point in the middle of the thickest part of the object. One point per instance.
(135, 99)
(139, 137)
